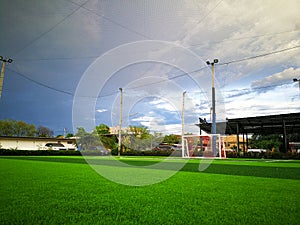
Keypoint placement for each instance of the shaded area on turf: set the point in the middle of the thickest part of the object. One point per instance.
(236, 169)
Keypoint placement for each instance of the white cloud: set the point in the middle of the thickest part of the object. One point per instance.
(163, 104)
(281, 100)
(155, 123)
(283, 77)
(144, 119)
(247, 29)
(101, 110)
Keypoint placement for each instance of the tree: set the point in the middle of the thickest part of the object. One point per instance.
(294, 137)
(44, 132)
(265, 141)
(140, 132)
(102, 129)
(16, 128)
(87, 141)
(109, 141)
(69, 135)
(139, 138)
(81, 132)
(171, 139)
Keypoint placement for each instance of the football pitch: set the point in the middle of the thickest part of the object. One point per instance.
(67, 190)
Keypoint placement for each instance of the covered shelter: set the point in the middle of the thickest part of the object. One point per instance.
(284, 124)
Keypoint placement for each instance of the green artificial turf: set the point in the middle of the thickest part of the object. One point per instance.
(66, 190)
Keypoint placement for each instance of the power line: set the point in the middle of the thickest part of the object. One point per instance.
(59, 58)
(112, 21)
(226, 63)
(50, 29)
(245, 91)
(102, 16)
(242, 91)
(130, 29)
(66, 17)
(248, 37)
(200, 21)
(39, 83)
(171, 78)
(259, 56)
(258, 88)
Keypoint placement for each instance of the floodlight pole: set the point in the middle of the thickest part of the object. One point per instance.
(120, 127)
(182, 125)
(214, 125)
(4, 61)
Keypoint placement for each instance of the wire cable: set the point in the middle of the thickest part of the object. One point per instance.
(49, 30)
(259, 56)
(112, 21)
(249, 37)
(171, 78)
(39, 83)
(200, 21)
(102, 16)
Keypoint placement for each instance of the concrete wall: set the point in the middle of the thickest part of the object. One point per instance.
(33, 143)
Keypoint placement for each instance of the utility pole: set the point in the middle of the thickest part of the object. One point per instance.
(214, 125)
(4, 61)
(182, 125)
(120, 127)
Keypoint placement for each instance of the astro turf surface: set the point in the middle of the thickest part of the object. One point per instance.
(66, 190)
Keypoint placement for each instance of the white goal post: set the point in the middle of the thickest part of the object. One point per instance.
(203, 146)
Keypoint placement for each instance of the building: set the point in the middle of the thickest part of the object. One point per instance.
(232, 143)
(281, 124)
(37, 143)
(115, 130)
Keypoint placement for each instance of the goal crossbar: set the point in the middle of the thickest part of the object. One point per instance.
(203, 146)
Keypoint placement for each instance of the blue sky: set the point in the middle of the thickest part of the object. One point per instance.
(156, 50)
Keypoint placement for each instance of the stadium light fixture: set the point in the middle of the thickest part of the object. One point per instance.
(297, 80)
(4, 61)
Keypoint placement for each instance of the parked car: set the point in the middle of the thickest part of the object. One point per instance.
(198, 147)
(229, 150)
(177, 147)
(163, 147)
(257, 150)
(55, 146)
(99, 150)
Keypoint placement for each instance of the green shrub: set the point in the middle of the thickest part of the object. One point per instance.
(131, 152)
(8, 152)
(265, 155)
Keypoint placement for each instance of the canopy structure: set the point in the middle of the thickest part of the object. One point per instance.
(284, 124)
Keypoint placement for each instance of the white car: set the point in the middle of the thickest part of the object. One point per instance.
(257, 150)
(55, 146)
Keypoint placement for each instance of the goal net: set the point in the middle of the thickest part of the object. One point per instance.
(203, 146)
